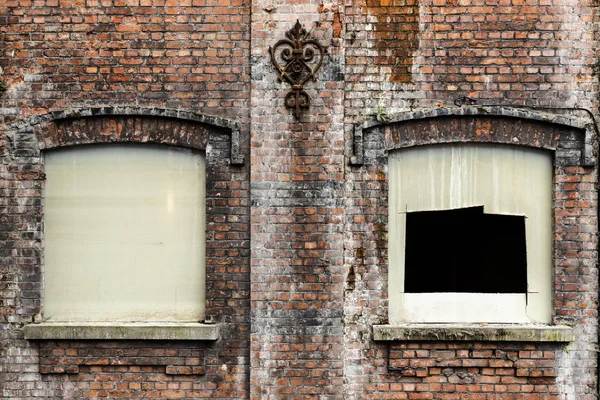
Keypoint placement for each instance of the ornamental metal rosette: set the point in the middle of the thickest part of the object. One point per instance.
(297, 59)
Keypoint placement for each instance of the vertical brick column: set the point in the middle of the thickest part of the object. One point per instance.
(297, 168)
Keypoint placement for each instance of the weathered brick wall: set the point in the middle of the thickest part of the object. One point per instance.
(189, 55)
(154, 369)
(457, 370)
(68, 55)
(297, 206)
(538, 54)
(318, 244)
(413, 53)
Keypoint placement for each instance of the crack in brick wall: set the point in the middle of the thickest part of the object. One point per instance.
(476, 362)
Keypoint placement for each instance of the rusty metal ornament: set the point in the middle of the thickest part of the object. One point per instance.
(297, 59)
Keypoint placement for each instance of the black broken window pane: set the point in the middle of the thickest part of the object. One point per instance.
(465, 250)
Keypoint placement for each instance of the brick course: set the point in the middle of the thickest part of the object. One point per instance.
(126, 369)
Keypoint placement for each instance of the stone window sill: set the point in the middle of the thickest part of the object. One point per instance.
(121, 331)
(473, 332)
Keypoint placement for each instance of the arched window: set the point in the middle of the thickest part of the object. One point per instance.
(470, 234)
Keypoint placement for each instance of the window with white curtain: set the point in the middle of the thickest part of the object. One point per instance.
(470, 234)
(124, 233)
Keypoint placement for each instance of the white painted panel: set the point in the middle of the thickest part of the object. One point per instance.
(464, 307)
(506, 180)
(124, 233)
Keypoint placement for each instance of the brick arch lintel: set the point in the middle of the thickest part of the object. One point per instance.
(40, 124)
(584, 125)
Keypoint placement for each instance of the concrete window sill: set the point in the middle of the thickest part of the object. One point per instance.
(121, 331)
(473, 332)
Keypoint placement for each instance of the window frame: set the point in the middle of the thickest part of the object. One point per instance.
(221, 139)
(165, 311)
(534, 307)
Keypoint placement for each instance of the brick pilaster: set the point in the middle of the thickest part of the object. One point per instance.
(297, 215)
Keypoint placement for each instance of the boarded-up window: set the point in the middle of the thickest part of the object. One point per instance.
(470, 233)
(124, 234)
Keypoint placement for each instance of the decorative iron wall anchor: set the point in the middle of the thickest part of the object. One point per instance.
(297, 59)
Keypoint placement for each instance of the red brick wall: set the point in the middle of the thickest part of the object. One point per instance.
(297, 238)
(297, 180)
(472, 369)
(170, 54)
(127, 369)
(537, 54)
(515, 53)
(66, 55)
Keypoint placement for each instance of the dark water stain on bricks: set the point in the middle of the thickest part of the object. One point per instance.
(396, 35)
